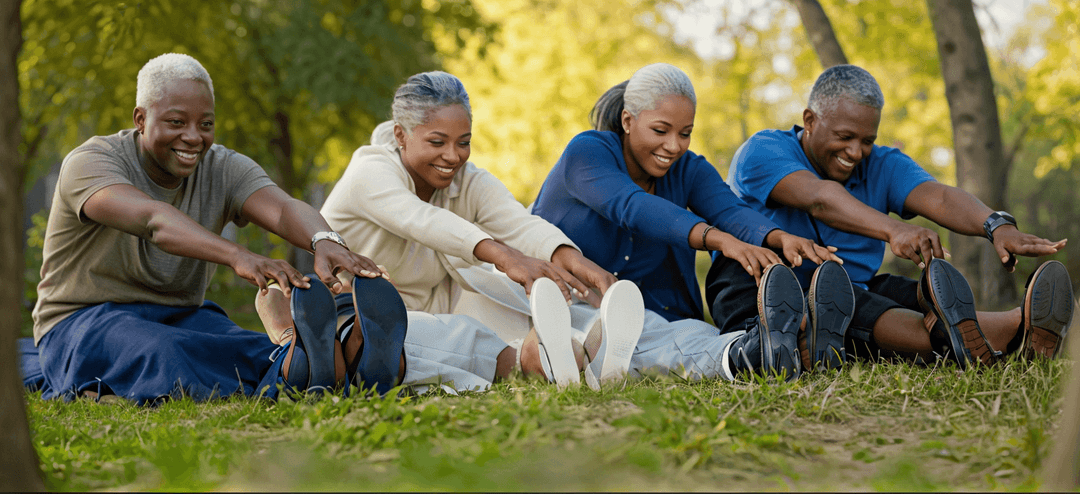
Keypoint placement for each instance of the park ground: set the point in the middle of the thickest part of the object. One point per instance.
(875, 425)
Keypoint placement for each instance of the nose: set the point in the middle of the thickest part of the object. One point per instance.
(671, 144)
(190, 134)
(855, 152)
(450, 155)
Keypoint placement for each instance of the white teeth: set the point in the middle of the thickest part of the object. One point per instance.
(845, 164)
(444, 170)
(187, 156)
(662, 159)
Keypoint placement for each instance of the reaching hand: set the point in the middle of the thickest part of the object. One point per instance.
(588, 272)
(916, 244)
(524, 270)
(331, 258)
(751, 257)
(257, 270)
(796, 248)
(1009, 242)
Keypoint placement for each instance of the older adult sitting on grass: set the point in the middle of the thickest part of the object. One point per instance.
(134, 227)
(829, 181)
(413, 201)
(640, 204)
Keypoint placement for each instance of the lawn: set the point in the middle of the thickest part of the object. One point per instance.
(872, 426)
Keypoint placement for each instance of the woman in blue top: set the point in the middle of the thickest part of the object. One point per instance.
(639, 204)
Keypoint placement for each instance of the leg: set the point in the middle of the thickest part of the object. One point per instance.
(530, 358)
(730, 294)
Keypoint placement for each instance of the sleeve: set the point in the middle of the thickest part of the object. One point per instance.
(244, 177)
(713, 200)
(499, 214)
(592, 176)
(379, 192)
(901, 175)
(88, 169)
(761, 163)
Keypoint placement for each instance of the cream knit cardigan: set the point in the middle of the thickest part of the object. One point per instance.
(375, 208)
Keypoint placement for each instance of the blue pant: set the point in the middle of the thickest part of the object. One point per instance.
(145, 352)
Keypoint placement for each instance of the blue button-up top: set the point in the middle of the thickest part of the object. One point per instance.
(639, 236)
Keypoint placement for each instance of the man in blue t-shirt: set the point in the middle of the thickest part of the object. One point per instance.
(828, 181)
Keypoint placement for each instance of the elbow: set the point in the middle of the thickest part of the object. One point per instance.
(822, 205)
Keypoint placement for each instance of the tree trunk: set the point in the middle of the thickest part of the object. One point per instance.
(980, 161)
(20, 464)
(820, 32)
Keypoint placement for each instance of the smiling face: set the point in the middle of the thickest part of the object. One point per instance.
(176, 131)
(436, 149)
(838, 140)
(657, 138)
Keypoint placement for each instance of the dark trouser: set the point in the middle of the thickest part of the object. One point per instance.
(731, 295)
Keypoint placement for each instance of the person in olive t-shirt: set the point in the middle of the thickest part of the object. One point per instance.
(132, 240)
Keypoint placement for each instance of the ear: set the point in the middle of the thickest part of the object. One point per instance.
(627, 120)
(399, 135)
(808, 119)
(139, 117)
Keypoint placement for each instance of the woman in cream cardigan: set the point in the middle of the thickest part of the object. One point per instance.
(413, 202)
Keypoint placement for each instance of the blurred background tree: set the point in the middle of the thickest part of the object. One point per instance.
(301, 83)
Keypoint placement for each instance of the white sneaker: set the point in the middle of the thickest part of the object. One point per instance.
(551, 318)
(622, 317)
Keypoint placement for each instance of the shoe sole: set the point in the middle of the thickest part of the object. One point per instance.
(622, 317)
(1048, 309)
(832, 305)
(314, 317)
(551, 318)
(780, 305)
(949, 298)
(383, 324)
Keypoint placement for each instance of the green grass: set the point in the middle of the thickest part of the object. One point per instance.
(873, 426)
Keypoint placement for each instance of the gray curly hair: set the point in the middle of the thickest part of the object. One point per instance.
(644, 89)
(425, 92)
(845, 81)
(163, 69)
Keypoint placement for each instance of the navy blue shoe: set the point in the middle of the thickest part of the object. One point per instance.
(949, 305)
(832, 305)
(383, 322)
(311, 356)
(770, 346)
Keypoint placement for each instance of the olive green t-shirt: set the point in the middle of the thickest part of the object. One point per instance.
(86, 263)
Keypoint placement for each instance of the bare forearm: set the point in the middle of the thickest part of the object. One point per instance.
(958, 211)
(174, 232)
(298, 222)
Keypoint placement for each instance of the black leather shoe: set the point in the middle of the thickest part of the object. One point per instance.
(832, 304)
(1047, 310)
(769, 347)
(949, 305)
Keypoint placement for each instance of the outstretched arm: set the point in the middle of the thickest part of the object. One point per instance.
(130, 210)
(961, 212)
(829, 202)
(296, 222)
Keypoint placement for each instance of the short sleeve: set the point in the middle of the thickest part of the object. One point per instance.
(761, 163)
(244, 177)
(86, 170)
(899, 175)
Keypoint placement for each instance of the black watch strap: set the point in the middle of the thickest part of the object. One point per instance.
(996, 219)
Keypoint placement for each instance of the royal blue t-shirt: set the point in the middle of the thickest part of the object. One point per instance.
(639, 236)
(882, 181)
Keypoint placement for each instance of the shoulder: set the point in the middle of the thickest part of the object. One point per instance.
(773, 142)
(593, 141)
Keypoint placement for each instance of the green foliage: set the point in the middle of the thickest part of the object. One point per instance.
(873, 425)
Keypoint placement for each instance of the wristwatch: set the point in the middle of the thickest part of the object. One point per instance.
(996, 219)
(327, 236)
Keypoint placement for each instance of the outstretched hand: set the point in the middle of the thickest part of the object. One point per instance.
(1010, 242)
(752, 258)
(259, 270)
(588, 272)
(525, 270)
(332, 258)
(916, 244)
(796, 248)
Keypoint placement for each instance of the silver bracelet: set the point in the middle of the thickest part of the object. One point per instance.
(705, 246)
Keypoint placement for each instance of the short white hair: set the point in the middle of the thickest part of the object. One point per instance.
(163, 69)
